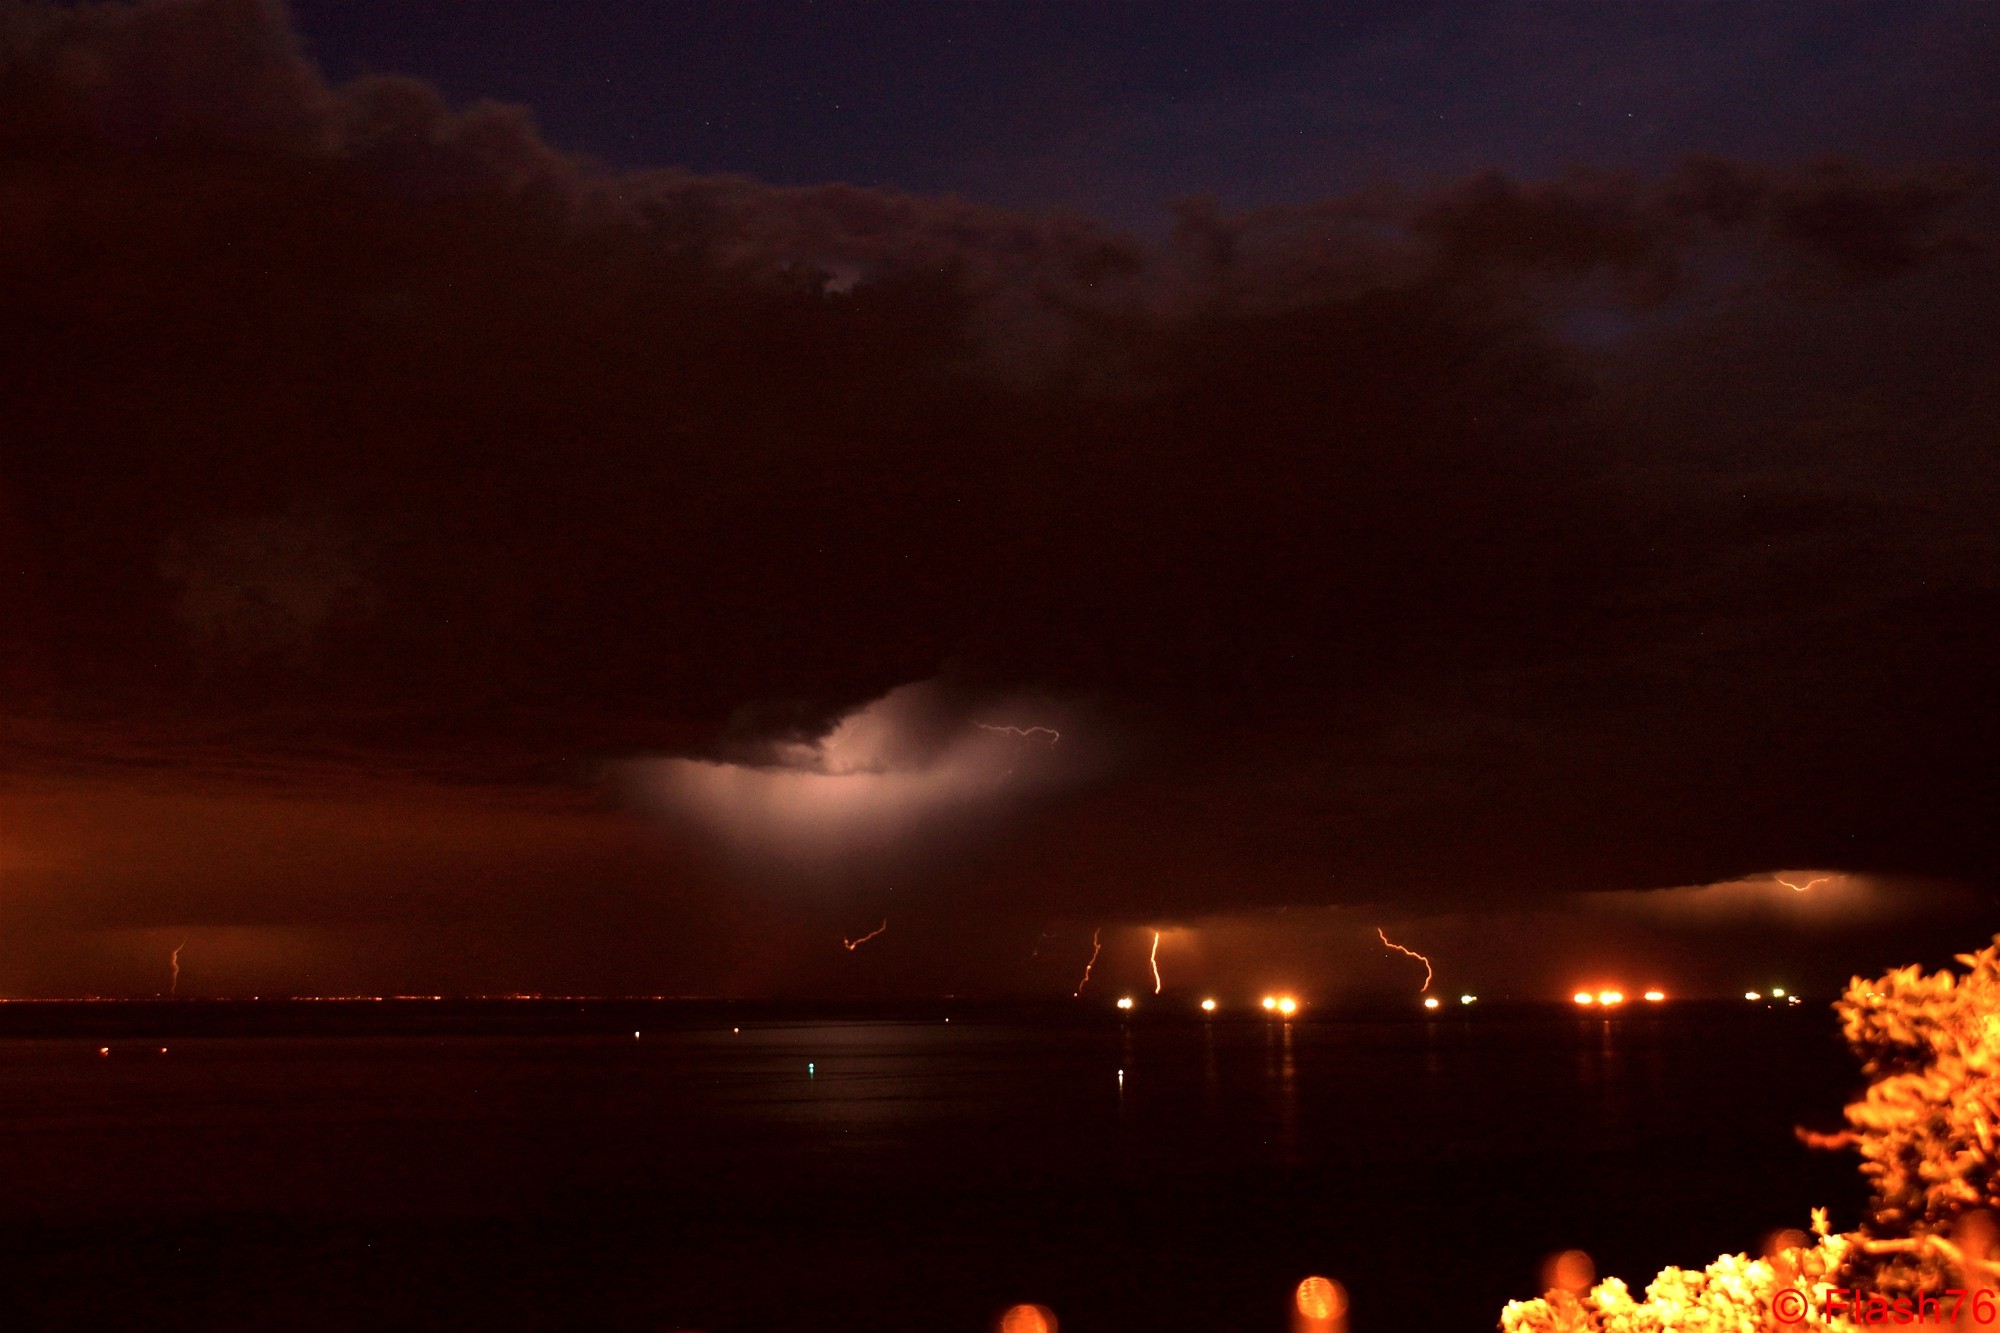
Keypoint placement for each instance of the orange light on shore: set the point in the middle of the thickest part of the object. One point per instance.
(1208, 1006)
(1287, 1005)
(1124, 1002)
(1430, 1002)
(1609, 997)
(1655, 996)
(1584, 997)
(1270, 1002)
(1028, 1319)
(1321, 1306)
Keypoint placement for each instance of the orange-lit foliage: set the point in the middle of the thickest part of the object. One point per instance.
(1732, 1295)
(1930, 1045)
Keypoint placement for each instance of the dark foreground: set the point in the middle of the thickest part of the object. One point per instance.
(515, 1166)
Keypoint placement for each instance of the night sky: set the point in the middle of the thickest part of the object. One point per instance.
(626, 497)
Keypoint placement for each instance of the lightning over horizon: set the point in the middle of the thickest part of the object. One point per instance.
(174, 961)
(853, 944)
(1043, 735)
(1429, 972)
(1096, 947)
(1153, 961)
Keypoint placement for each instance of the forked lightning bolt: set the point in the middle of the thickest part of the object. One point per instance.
(1428, 973)
(852, 945)
(1096, 947)
(1153, 960)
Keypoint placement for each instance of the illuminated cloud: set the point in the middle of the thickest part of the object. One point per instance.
(909, 771)
(1834, 900)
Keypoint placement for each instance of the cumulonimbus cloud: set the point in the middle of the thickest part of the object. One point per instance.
(910, 773)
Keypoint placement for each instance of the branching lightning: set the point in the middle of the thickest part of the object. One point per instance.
(852, 945)
(1096, 947)
(174, 961)
(1428, 972)
(1041, 735)
(1801, 888)
(1153, 960)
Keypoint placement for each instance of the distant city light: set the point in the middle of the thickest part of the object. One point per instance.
(1656, 995)
(1752, 995)
(1778, 992)
(1467, 999)
(1610, 997)
(1430, 1002)
(1208, 1006)
(1791, 999)
(1585, 997)
(1270, 1002)
(1124, 1002)
(1287, 1006)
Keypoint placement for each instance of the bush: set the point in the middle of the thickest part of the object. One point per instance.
(1930, 1046)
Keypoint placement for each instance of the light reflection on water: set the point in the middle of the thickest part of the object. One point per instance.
(475, 1119)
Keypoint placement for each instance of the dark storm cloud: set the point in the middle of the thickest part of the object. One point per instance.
(356, 428)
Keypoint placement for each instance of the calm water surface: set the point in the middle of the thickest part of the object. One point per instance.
(895, 1175)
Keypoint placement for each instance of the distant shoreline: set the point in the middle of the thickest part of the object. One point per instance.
(619, 1016)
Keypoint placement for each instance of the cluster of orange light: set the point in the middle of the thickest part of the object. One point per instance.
(1277, 1004)
(1612, 998)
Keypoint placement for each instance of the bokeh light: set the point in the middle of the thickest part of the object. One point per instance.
(1572, 1271)
(1320, 1305)
(1028, 1319)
